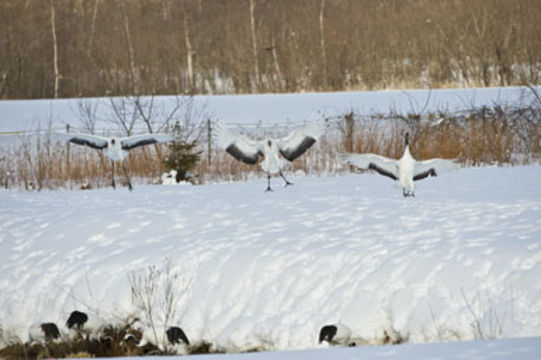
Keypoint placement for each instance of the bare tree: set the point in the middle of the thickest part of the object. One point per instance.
(189, 50)
(159, 116)
(93, 25)
(153, 120)
(157, 293)
(322, 42)
(254, 45)
(276, 63)
(131, 55)
(144, 288)
(166, 10)
(55, 50)
(86, 110)
(190, 118)
(123, 114)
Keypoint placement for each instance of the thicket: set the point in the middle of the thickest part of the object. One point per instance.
(73, 48)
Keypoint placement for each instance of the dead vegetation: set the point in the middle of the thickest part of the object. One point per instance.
(111, 344)
(494, 135)
(491, 135)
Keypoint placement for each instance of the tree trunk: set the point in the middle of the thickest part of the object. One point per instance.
(55, 50)
(93, 25)
(349, 131)
(189, 53)
(322, 44)
(209, 142)
(276, 64)
(133, 74)
(254, 46)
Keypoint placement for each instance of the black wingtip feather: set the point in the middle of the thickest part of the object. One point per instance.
(139, 143)
(299, 150)
(429, 172)
(381, 171)
(239, 155)
(84, 142)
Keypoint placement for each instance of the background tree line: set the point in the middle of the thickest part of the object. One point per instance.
(72, 48)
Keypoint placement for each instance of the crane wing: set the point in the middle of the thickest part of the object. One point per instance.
(433, 167)
(145, 139)
(298, 141)
(384, 166)
(237, 145)
(93, 141)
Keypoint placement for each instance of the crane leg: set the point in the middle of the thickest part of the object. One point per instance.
(127, 176)
(113, 173)
(408, 193)
(268, 186)
(287, 182)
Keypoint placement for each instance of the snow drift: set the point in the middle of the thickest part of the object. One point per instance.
(462, 260)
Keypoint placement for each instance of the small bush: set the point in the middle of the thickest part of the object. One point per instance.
(393, 337)
(182, 158)
(203, 347)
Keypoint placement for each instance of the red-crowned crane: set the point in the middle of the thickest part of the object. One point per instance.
(273, 151)
(116, 149)
(406, 169)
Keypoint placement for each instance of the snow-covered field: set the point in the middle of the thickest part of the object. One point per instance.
(28, 115)
(462, 260)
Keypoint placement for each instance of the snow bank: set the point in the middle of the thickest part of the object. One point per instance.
(460, 260)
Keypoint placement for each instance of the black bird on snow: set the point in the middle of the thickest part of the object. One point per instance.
(43, 332)
(335, 334)
(76, 319)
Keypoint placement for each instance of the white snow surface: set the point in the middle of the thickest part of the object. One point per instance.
(27, 115)
(506, 349)
(460, 260)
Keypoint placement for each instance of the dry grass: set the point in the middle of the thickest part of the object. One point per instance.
(78, 347)
(45, 165)
(494, 135)
(110, 345)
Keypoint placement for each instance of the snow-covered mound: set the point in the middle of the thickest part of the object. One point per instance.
(460, 260)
